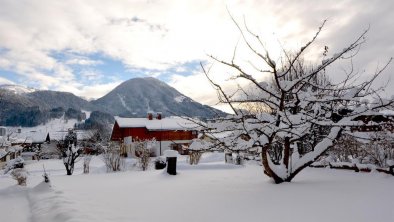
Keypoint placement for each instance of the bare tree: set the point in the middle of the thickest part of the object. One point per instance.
(305, 112)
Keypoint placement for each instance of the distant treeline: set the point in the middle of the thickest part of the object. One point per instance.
(33, 116)
(96, 120)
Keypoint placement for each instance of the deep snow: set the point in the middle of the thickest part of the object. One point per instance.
(210, 191)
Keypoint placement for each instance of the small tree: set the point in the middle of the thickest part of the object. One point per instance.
(196, 149)
(112, 157)
(86, 163)
(143, 150)
(69, 150)
(305, 113)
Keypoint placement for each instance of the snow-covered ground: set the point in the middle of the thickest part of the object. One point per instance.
(210, 191)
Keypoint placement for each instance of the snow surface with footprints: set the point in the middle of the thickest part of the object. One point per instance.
(210, 191)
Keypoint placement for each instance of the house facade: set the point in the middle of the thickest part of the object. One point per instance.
(7, 150)
(170, 133)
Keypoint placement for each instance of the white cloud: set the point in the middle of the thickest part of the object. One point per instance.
(83, 62)
(5, 81)
(91, 91)
(158, 35)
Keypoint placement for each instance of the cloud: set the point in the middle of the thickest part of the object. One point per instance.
(93, 91)
(54, 43)
(4, 81)
(83, 62)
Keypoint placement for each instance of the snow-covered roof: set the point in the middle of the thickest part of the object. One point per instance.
(81, 134)
(40, 136)
(219, 135)
(11, 149)
(387, 112)
(4, 142)
(2, 152)
(168, 123)
(29, 137)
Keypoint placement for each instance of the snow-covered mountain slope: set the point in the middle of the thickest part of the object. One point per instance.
(136, 97)
(17, 89)
(48, 99)
(37, 107)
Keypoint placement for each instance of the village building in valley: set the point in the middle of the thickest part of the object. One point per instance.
(174, 133)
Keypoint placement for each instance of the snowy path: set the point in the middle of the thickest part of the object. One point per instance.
(37, 204)
(48, 205)
(14, 204)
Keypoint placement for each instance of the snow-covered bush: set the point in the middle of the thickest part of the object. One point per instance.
(86, 162)
(375, 148)
(302, 112)
(18, 162)
(347, 149)
(380, 149)
(143, 151)
(16, 166)
(112, 157)
(196, 149)
(20, 175)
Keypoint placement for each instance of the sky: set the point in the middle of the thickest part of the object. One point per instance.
(89, 47)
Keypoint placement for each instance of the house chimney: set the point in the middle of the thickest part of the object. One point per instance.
(158, 116)
(150, 115)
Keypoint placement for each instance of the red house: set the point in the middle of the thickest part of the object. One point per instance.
(170, 133)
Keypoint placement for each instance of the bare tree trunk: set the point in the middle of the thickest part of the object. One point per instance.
(69, 171)
(286, 157)
(267, 168)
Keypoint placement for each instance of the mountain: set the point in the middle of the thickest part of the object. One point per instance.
(21, 106)
(19, 109)
(47, 99)
(137, 96)
(17, 89)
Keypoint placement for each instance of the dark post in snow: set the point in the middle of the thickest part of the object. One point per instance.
(228, 157)
(390, 163)
(171, 156)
